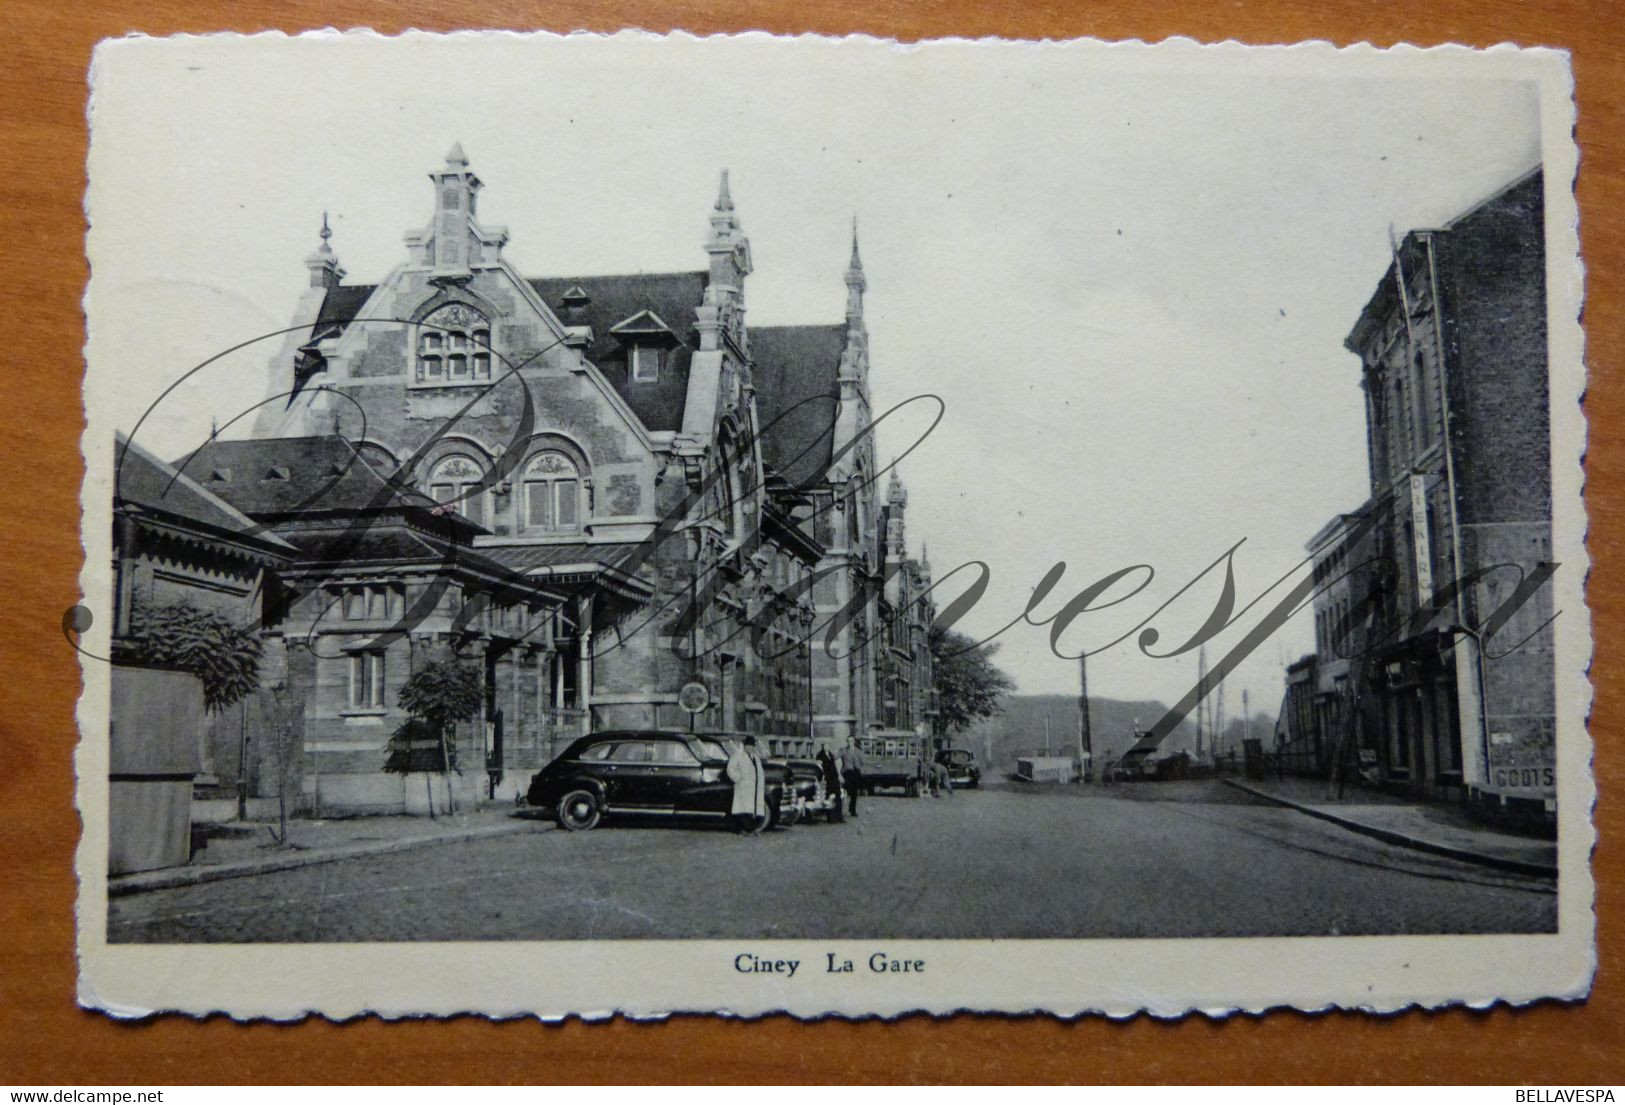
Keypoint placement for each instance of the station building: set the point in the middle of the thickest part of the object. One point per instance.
(642, 491)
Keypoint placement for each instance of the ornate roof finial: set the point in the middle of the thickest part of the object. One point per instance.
(856, 285)
(456, 155)
(730, 252)
(324, 263)
(895, 492)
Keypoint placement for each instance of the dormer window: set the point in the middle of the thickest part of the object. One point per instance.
(645, 337)
(454, 346)
(645, 363)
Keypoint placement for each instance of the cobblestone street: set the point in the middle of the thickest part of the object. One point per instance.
(1151, 860)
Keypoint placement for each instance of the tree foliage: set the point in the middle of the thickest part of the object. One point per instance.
(968, 682)
(224, 656)
(435, 696)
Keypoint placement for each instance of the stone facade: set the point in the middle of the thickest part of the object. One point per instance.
(871, 661)
(605, 435)
(905, 612)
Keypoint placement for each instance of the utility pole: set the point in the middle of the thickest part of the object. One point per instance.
(1046, 734)
(1086, 739)
(1201, 703)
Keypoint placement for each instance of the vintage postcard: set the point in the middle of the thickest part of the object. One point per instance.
(587, 524)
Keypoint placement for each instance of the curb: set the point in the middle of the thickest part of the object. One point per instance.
(170, 878)
(1389, 836)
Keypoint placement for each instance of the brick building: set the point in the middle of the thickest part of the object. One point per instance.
(1326, 725)
(174, 541)
(1453, 676)
(1301, 747)
(903, 668)
(696, 493)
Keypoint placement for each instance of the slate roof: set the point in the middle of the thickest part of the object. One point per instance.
(278, 477)
(526, 557)
(797, 397)
(364, 546)
(392, 543)
(340, 306)
(600, 562)
(147, 486)
(671, 296)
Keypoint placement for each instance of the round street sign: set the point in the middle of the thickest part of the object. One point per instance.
(693, 697)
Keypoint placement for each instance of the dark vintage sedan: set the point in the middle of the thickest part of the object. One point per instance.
(807, 797)
(961, 765)
(642, 774)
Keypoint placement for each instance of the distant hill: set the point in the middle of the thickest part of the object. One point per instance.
(1020, 728)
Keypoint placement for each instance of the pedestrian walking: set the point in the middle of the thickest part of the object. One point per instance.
(745, 771)
(852, 774)
(941, 782)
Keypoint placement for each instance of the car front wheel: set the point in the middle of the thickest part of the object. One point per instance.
(578, 811)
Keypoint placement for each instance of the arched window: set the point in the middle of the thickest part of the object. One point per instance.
(552, 494)
(454, 346)
(723, 505)
(456, 481)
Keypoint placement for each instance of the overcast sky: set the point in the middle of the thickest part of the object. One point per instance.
(1127, 275)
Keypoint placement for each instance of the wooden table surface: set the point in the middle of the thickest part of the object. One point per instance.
(46, 1039)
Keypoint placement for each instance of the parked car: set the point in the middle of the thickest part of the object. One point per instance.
(643, 773)
(810, 797)
(961, 765)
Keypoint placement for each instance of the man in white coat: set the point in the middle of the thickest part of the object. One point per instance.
(750, 786)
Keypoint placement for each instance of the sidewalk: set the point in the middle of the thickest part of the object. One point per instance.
(1439, 828)
(240, 848)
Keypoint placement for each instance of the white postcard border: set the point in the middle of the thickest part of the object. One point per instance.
(1163, 977)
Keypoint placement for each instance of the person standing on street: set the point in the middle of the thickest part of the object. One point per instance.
(852, 774)
(832, 782)
(750, 787)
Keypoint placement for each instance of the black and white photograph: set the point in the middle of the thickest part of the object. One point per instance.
(643, 524)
